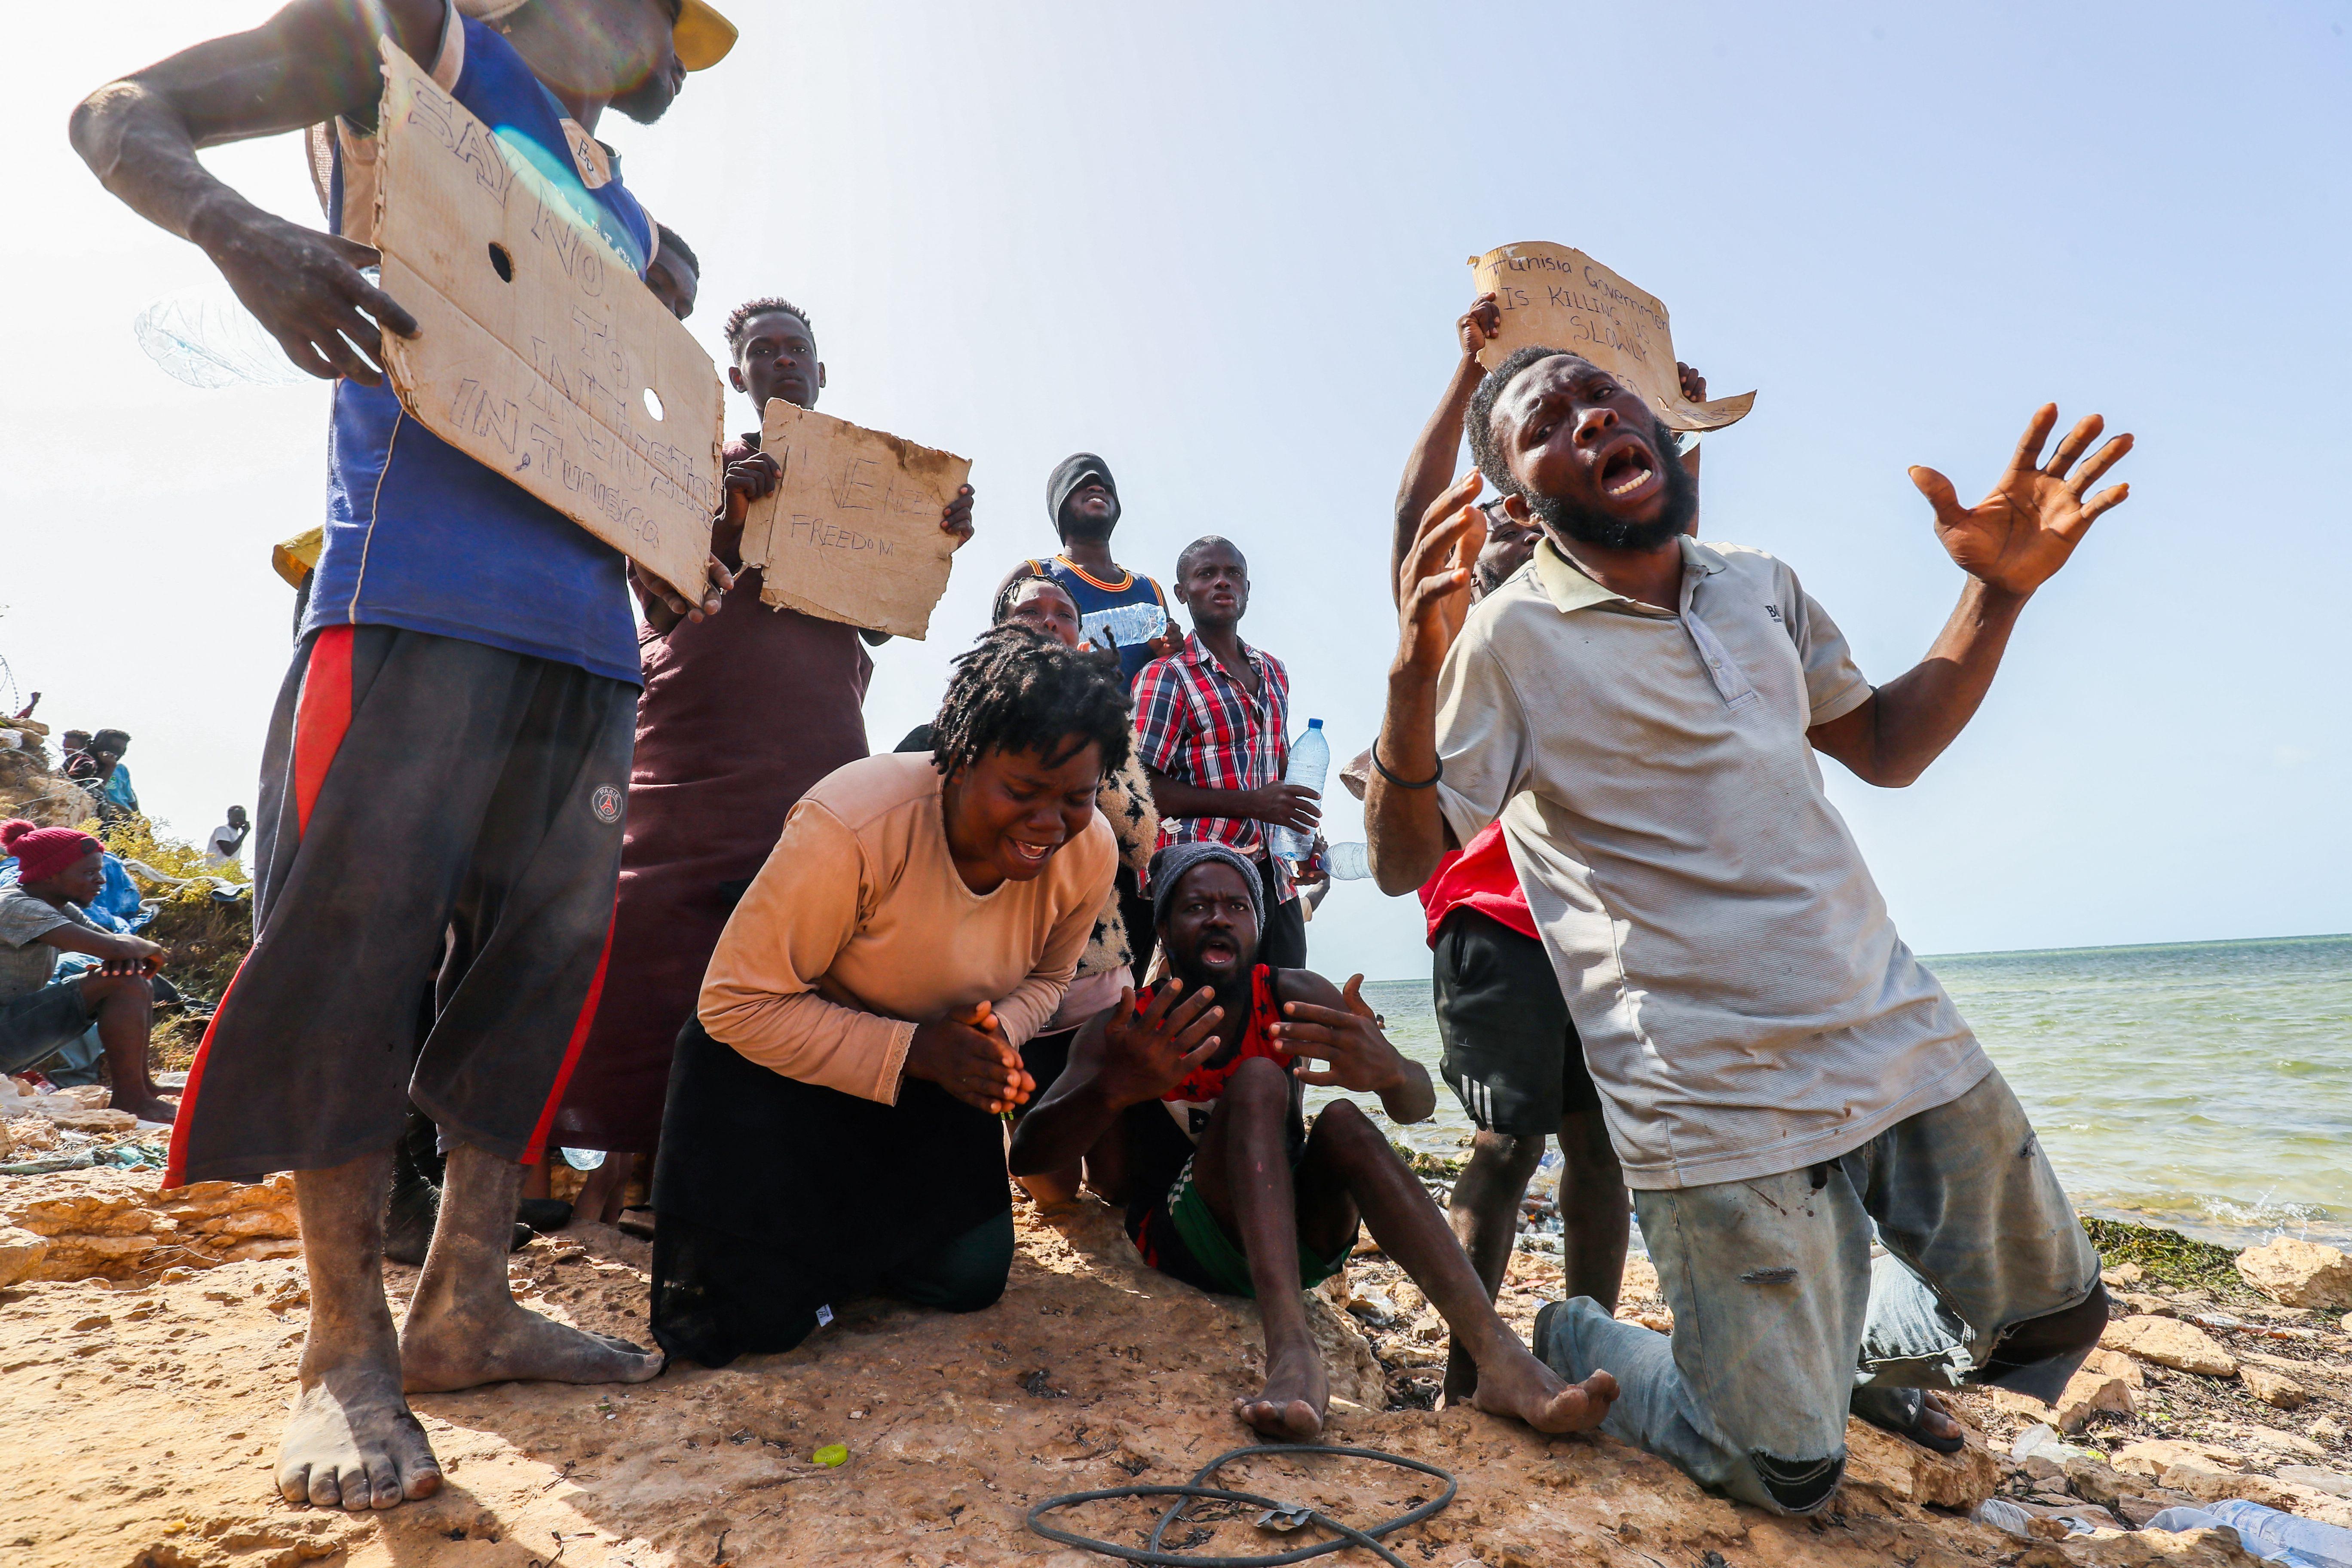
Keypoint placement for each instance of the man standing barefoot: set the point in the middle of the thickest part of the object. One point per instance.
(441, 794)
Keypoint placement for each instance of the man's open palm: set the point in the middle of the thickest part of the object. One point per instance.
(2021, 533)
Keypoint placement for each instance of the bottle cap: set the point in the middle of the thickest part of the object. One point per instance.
(1314, 723)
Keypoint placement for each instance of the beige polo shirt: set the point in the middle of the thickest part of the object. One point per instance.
(1744, 1004)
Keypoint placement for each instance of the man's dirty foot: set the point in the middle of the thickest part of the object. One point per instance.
(1290, 1407)
(460, 1349)
(1521, 1386)
(351, 1442)
(147, 1107)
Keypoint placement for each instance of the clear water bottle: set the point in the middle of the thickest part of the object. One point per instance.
(205, 337)
(1350, 862)
(1310, 760)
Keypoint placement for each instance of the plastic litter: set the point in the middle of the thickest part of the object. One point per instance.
(2041, 1438)
(205, 337)
(832, 1454)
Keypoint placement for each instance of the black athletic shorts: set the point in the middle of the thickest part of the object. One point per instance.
(437, 817)
(1510, 1052)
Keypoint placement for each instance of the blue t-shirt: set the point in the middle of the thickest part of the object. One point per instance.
(420, 535)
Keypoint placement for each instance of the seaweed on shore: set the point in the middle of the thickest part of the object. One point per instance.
(2167, 1257)
(1429, 1167)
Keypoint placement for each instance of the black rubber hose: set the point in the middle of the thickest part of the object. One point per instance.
(1350, 1535)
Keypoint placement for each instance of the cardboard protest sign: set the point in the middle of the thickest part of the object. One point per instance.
(539, 352)
(1563, 298)
(852, 530)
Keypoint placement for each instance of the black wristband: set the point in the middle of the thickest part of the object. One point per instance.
(1429, 783)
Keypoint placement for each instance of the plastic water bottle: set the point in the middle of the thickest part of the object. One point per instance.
(205, 337)
(1127, 626)
(1310, 760)
(1350, 862)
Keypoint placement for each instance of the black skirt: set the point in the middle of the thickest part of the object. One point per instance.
(778, 1199)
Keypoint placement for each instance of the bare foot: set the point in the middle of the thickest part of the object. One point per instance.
(463, 1350)
(1934, 1421)
(351, 1442)
(1522, 1386)
(147, 1107)
(1290, 1407)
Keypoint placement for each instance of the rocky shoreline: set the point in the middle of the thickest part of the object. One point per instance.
(147, 1345)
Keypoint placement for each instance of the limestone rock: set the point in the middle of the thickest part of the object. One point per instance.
(2107, 1380)
(2153, 1458)
(105, 1223)
(21, 1252)
(2298, 1273)
(2157, 1549)
(2335, 1482)
(33, 1135)
(2275, 1389)
(2167, 1341)
(1902, 1470)
(75, 1117)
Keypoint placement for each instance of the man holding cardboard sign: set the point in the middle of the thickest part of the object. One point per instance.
(1781, 1077)
(441, 798)
(741, 714)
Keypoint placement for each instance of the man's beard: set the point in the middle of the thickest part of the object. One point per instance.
(1591, 525)
(1075, 526)
(646, 102)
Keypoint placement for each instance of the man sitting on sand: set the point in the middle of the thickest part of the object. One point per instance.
(1782, 1080)
(1228, 1186)
(58, 868)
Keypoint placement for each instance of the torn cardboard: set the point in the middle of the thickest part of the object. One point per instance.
(852, 530)
(1563, 298)
(539, 352)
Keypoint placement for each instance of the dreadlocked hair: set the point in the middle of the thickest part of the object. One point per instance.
(1020, 690)
(739, 319)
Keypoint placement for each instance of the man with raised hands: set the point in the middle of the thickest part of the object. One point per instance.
(1781, 1077)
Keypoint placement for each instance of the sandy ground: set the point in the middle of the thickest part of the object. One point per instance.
(142, 1418)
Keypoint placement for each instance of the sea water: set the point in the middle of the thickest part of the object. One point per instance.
(2201, 1086)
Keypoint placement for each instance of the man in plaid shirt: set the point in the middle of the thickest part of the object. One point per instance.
(1213, 722)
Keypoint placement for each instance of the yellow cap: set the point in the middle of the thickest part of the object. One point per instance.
(702, 36)
(293, 559)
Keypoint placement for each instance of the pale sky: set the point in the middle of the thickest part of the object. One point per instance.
(1224, 246)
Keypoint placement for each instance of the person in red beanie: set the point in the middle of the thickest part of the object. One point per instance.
(56, 869)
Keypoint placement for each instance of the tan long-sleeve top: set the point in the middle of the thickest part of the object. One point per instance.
(858, 928)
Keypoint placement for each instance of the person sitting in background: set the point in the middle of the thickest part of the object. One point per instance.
(1213, 719)
(833, 1121)
(674, 275)
(99, 768)
(1082, 503)
(72, 744)
(1116, 951)
(56, 869)
(1229, 1189)
(227, 842)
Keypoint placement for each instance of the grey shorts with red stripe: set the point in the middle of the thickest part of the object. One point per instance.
(436, 853)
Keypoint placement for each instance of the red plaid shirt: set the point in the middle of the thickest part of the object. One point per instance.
(1198, 724)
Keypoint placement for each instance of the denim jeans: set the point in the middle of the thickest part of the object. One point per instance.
(1780, 1312)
